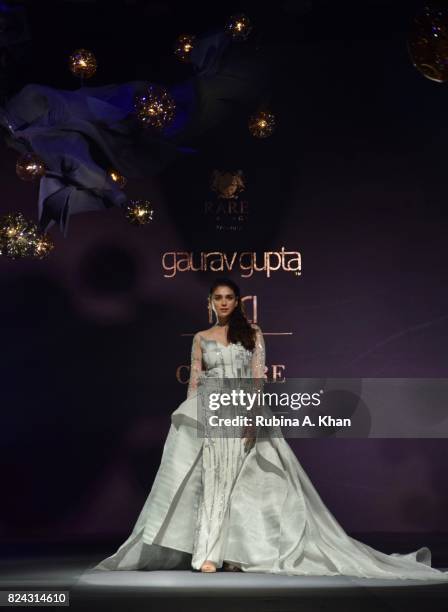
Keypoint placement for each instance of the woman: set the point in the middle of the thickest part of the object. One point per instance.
(242, 502)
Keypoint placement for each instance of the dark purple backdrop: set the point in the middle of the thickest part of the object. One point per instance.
(354, 179)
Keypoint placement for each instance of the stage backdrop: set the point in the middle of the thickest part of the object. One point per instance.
(348, 199)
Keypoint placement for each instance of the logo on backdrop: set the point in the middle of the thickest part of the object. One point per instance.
(247, 262)
(227, 210)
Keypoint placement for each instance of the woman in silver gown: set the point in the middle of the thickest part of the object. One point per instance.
(243, 503)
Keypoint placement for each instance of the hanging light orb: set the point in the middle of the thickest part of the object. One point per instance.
(428, 42)
(155, 107)
(262, 124)
(12, 226)
(16, 236)
(83, 63)
(184, 46)
(139, 212)
(20, 238)
(42, 246)
(238, 27)
(118, 178)
(30, 167)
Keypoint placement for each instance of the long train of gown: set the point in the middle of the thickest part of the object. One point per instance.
(212, 500)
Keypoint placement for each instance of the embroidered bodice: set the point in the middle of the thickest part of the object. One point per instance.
(212, 359)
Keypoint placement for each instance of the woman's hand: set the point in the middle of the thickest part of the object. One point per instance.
(250, 435)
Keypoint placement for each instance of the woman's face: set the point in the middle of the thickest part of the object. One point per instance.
(223, 301)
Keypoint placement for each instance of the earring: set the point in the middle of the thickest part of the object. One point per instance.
(210, 317)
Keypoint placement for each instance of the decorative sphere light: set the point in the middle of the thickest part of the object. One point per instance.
(83, 63)
(42, 246)
(238, 27)
(184, 46)
(428, 42)
(139, 212)
(262, 124)
(17, 236)
(155, 107)
(30, 167)
(12, 225)
(117, 178)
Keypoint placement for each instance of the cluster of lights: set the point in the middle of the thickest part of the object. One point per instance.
(238, 27)
(156, 108)
(20, 238)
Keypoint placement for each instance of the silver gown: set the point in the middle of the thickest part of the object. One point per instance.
(213, 500)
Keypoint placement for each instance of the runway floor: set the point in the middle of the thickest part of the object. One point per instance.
(182, 591)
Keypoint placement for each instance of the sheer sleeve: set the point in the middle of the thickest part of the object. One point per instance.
(259, 355)
(258, 367)
(196, 368)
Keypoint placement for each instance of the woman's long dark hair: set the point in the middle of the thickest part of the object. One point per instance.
(240, 330)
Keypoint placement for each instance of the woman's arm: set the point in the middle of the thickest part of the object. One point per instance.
(258, 355)
(258, 366)
(196, 368)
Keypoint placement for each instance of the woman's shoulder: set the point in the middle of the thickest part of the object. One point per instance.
(256, 327)
(205, 333)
